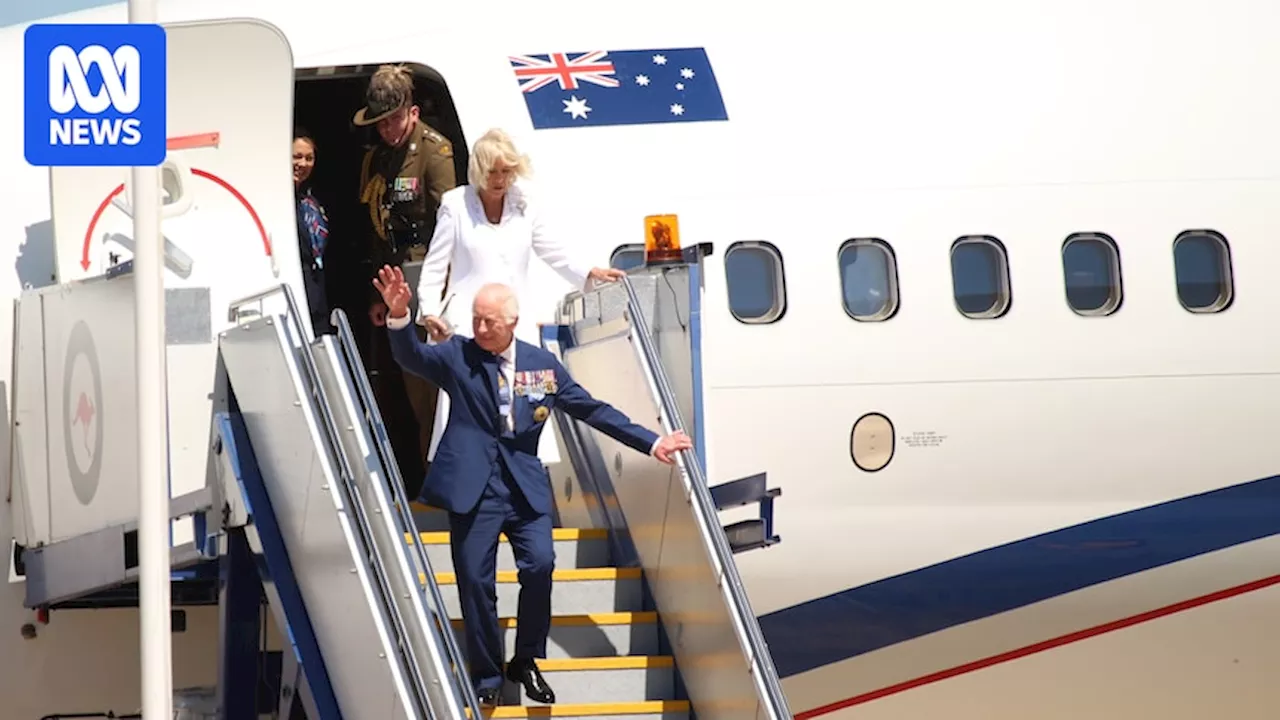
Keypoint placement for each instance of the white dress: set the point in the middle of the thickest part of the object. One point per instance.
(481, 252)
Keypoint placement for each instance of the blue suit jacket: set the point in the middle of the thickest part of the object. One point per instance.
(476, 438)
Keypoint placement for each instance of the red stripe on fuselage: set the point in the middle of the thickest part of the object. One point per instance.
(1040, 647)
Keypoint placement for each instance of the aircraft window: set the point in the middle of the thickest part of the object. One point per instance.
(1091, 268)
(626, 257)
(1202, 265)
(754, 277)
(869, 274)
(980, 277)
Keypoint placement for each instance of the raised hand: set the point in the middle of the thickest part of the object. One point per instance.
(395, 291)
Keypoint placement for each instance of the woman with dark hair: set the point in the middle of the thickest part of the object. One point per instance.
(313, 231)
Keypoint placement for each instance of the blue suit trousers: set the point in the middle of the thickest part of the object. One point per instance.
(474, 537)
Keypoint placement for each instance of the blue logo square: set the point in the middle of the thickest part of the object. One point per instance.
(94, 95)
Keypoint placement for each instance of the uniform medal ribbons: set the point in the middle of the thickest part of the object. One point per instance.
(404, 189)
(536, 384)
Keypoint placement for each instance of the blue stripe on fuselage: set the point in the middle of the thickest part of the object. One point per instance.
(862, 619)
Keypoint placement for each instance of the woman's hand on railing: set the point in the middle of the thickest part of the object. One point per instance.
(600, 276)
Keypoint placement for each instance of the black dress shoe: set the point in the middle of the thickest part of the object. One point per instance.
(488, 697)
(526, 673)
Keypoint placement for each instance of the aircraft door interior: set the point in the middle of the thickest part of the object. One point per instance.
(325, 101)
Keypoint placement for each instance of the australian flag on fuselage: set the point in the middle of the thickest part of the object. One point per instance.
(618, 87)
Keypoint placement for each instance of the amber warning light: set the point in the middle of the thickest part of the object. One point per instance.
(662, 240)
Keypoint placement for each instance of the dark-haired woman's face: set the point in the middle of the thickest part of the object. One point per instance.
(304, 160)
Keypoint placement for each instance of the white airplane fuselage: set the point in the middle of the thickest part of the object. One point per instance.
(1049, 513)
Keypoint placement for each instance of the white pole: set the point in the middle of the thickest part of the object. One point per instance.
(153, 435)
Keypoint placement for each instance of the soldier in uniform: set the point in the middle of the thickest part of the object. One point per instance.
(401, 181)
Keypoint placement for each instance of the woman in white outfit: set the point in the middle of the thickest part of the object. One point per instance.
(487, 231)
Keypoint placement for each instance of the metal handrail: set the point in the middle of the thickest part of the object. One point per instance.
(256, 297)
(345, 468)
(348, 485)
(382, 444)
(760, 659)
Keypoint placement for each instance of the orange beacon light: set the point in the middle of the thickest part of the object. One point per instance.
(662, 240)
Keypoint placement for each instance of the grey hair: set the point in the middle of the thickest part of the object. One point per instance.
(505, 295)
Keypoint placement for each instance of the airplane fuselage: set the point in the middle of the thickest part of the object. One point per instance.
(989, 297)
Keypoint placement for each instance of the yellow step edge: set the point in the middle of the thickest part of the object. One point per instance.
(646, 707)
(441, 537)
(578, 575)
(622, 662)
(591, 620)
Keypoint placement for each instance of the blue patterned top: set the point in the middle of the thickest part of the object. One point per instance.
(313, 228)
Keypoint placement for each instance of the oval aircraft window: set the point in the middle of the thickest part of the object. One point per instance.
(755, 282)
(626, 257)
(1091, 270)
(980, 277)
(1202, 265)
(869, 275)
(871, 443)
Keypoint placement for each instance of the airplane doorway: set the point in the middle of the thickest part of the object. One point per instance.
(325, 100)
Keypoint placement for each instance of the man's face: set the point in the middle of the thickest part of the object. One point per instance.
(395, 127)
(491, 330)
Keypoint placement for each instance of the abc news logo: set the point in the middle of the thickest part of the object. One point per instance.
(95, 95)
(69, 90)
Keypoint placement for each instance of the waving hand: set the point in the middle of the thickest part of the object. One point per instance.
(395, 291)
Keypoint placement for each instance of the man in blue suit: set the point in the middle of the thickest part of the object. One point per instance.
(487, 474)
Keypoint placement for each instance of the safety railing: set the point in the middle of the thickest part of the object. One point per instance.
(447, 655)
(763, 672)
(412, 665)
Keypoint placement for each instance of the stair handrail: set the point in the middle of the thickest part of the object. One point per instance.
(759, 659)
(382, 444)
(344, 468)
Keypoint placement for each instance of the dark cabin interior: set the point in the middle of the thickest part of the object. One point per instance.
(325, 100)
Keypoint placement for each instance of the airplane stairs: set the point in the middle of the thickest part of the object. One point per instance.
(304, 505)
(610, 653)
(604, 658)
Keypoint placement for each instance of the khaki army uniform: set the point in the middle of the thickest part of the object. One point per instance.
(401, 187)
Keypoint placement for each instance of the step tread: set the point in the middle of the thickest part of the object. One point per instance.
(568, 575)
(641, 707)
(441, 537)
(613, 662)
(615, 618)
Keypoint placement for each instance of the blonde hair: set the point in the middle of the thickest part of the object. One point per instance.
(491, 147)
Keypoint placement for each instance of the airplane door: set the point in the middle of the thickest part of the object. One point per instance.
(228, 210)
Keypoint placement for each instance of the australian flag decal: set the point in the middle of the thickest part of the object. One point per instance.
(618, 87)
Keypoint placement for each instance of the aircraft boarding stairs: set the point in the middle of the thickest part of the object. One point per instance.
(304, 504)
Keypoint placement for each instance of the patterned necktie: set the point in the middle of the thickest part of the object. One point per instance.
(504, 393)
